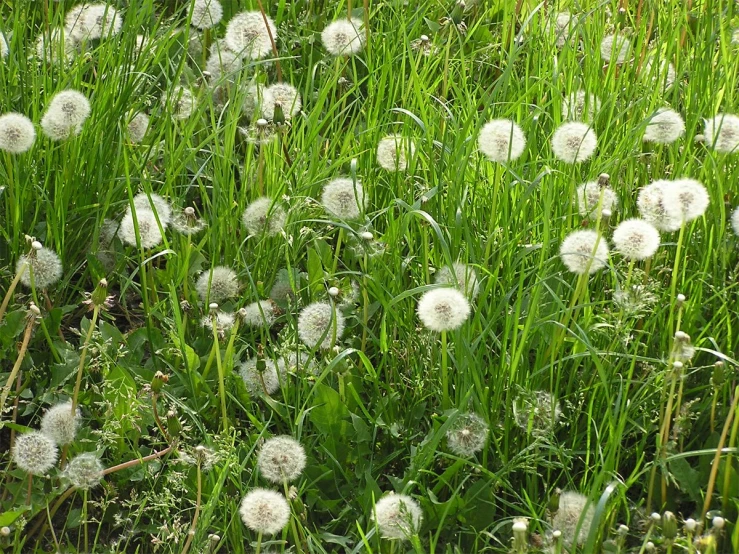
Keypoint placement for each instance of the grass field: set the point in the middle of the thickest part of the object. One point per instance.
(556, 393)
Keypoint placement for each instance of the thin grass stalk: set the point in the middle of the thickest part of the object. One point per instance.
(198, 500)
(11, 289)
(83, 355)
(31, 320)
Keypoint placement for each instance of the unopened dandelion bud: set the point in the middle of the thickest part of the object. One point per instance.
(682, 336)
(690, 525)
(279, 115)
(366, 235)
(553, 504)
(159, 380)
(655, 517)
(519, 534)
(680, 299)
(719, 376)
(649, 547)
(333, 291)
(718, 522)
(5, 531)
(100, 294)
(669, 525)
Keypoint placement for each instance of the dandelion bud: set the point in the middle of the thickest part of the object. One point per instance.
(279, 117)
(718, 522)
(265, 511)
(99, 296)
(424, 38)
(690, 525)
(397, 516)
(158, 381)
(553, 503)
(520, 526)
(682, 336)
(214, 538)
(606, 214)
(60, 423)
(174, 426)
(719, 377)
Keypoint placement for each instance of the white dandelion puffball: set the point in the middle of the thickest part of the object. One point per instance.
(265, 511)
(247, 35)
(137, 127)
(584, 251)
(536, 412)
(443, 309)
(84, 471)
(42, 267)
(264, 215)
(93, 21)
(661, 72)
(287, 96)
(394, 151)
(217, 285)
(685, 200)
(651, 204)
(17, 133)
(722, 133)
(206, 14)
(575, 511)
(344, 37)
(223, 322)
(397, 516)
(259, 314)
(343, 198)
(65, 115)
(281, 459)
(467, 435)
(260, 376)
(57, 46)
(300, 361)
(149, 235)
(181, 102)
(320, 325)
(223, 62)
(592, 199)
(580, 106)
(4, 50)
(615, 48)
(501, 140)
(563, 28)
(60, 423)
(34, 452)
(259, 103)
(574, 142)
(735, 221)
(664, 127)
(636, 239)
(461, 276)
(151, 202)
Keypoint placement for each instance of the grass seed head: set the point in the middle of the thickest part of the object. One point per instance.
(248, 36)
(344, 37)
(574, 142)
(467, 435)
(443, 309)
(664, 127)
(636, 239)
(34, 452)
(17, 133)
(150, 235)
(394, 151)
(60, 423)
(343, 198)
(580, 254)
(45, 266)
(318, 323)
(281, 459)
(206, 14)
(217, 285)
(84, 471)
(501, 140)
(398, 516)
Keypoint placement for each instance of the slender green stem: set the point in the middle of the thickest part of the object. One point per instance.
(445, 402)
(83, 355)
(17, 366)
(221, 376)
(11, 289)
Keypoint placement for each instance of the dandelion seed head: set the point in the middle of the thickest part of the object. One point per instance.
(93, 21)
(264, 215)
(343, 198)
(65, 115)
(84, 471)
(17, 133)
(651, 204)
(155, 203)
(256, 381)
(577, 254)
(685, 200)
(246, 34)
(722, 133)
(223, 321)
(574, 142)
(443, 309)
(636, 239)
(501, 140)
(217, 285)
(206, 14)
(461, 276)
(661, 72)
(591, 195)
(261, 132)
(4, 50)
(287, 96)
(562, 26)
(300, 362)
(60, 423)
(259, 314)
(34, 452)
(258, 102)
(735, 221)
(394, 151)
(223, 62)
(282, 291)
(343, 37)
(265, 511)
(281, 459)
(398, 516)
(150, 235)
(573, 508)
(137, 127)
(665, 127)
(537, 412)
(318, 323)
(45, 266)
(180, 102)
(615, 48)
(57, 46)
(467, 435)
(580, 106)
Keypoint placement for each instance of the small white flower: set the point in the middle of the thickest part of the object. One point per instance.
(735, 221)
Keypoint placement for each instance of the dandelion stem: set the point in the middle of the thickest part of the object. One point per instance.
(11, 289)
(717, 457)
(198, 500)
(271, 41)
(137, 461)
(84, 518)
(17, 366)
(83, 355)
(221, 378)
(338, 250)
(293, 527)
(259, 542)
(445, 403)
(675, 271)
